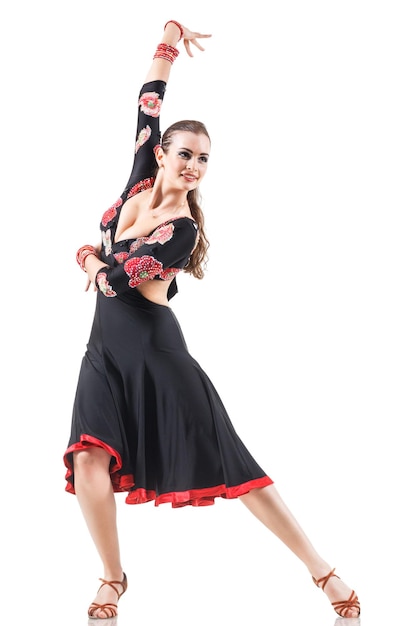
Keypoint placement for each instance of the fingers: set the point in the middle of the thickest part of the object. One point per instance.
(187, 47)
(194, 40)
(197, 44)
(201, 36)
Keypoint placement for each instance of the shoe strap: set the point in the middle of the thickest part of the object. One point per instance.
(112, 584)
(342, 607)
(321, 582)
(110, 607)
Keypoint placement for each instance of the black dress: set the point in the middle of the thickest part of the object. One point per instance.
(140, 395)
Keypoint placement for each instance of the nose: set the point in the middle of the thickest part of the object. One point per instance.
(192, 164)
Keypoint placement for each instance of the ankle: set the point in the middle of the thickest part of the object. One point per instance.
(114, 574)
(319, 569)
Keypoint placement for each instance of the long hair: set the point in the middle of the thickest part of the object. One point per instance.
(198, 259)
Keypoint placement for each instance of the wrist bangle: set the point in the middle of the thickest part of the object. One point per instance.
(179, 26)
(83, 253)
(164, 51)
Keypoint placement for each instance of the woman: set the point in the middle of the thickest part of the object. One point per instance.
(147, 419)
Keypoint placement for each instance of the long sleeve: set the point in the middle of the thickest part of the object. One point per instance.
(165, 251)
(161, 255)
(147, 137)
(144, 164)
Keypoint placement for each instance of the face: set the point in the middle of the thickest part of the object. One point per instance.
(186, 160)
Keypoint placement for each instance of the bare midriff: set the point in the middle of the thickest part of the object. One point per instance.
(155, 291)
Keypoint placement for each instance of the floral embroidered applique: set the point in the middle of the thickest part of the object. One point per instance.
(107, 243)
(104, 285)
(111, 212)
(143, 137)
(162, 234)
(137, 244)
(120, 257)
(146, 183)
(150, 103)
(143, 268)
(169, 273)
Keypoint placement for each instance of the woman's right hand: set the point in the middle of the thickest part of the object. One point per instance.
(191, 36)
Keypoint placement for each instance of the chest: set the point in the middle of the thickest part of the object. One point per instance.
(132, 221)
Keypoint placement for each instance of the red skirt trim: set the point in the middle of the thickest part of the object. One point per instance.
(193, 497)
(197, 497)
(120, 482)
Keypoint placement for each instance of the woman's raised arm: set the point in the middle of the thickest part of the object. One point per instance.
(148, 131)
(166, 50)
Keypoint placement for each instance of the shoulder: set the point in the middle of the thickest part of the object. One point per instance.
(177, 234)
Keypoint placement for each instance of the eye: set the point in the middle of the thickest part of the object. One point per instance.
(184, 154)
(203, 159)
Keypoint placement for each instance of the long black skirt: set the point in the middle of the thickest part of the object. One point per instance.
(144, 399)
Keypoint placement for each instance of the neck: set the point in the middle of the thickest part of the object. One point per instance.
(174, 204)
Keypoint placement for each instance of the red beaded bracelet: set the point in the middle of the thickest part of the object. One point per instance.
(179, 26)
(83, 253)
(164, 51)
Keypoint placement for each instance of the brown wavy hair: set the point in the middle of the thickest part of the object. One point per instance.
(199, 258)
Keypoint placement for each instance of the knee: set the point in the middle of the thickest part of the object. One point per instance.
(91, 461)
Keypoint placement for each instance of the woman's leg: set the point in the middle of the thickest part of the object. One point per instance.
(96, 498)
(267, 505)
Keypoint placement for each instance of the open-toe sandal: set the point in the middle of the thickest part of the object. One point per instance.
(343, 606)
(109, 609)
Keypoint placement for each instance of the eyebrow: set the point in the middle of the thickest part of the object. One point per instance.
(189, 150)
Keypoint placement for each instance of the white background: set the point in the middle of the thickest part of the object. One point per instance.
(299, 321)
